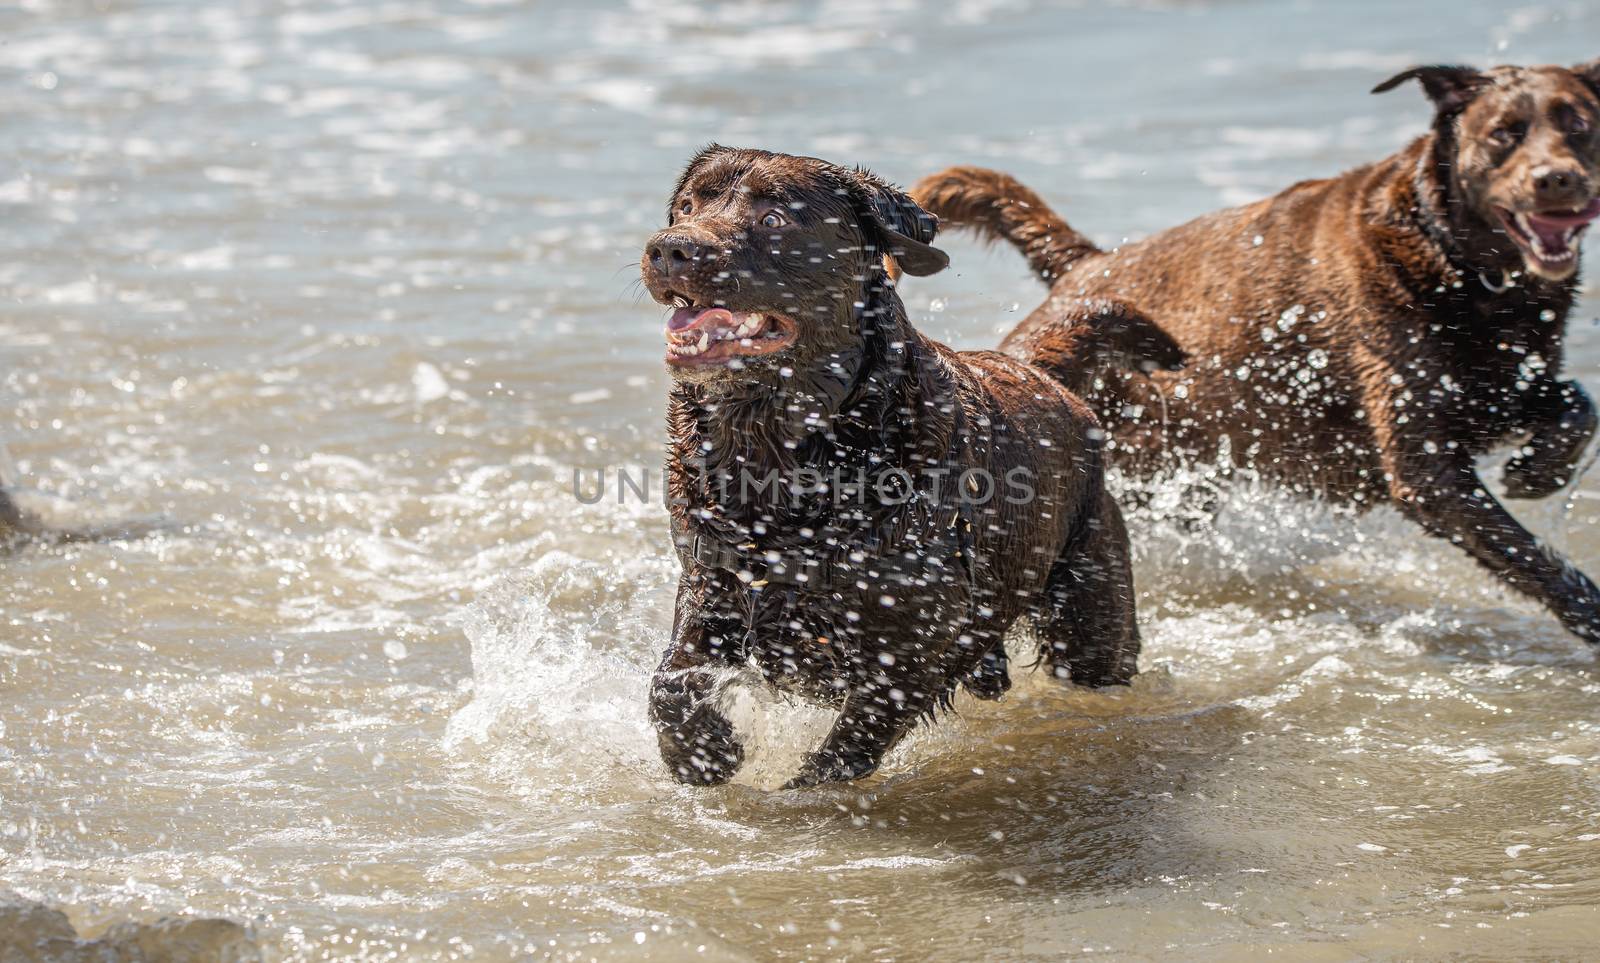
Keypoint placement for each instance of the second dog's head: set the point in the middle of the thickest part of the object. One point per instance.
(768, 260)
(1526, 155)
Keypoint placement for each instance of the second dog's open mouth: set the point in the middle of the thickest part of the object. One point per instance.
(717, 336)
(1549, 239)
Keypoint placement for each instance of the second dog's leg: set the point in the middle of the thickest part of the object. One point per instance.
(1551, 456)
(1448, 498)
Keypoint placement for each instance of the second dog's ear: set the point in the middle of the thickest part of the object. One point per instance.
(1590, 74)
(1449, 87)
(903, 227)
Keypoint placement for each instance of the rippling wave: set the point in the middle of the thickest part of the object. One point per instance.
(337, 296)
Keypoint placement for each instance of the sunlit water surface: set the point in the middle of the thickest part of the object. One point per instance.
(343, 293)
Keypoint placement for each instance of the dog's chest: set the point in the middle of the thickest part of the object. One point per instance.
(869, 615)
(1487, 363)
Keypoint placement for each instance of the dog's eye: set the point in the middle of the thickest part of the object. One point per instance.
(773, 220)
(686, 206)
(1580, 124)
(1509, 135)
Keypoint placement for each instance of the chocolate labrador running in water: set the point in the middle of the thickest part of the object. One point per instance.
(1365, 337)
(860, 512)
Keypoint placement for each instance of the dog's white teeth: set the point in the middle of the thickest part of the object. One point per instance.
(752, 328)
(685, 349)
(680, 302)
(748, 328)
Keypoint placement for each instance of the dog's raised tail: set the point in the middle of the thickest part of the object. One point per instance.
(999, 207)
(1091, 335)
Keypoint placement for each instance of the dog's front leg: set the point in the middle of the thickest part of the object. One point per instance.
(882, 707)
(697, 741)
(1550, 458)
(1441, 490)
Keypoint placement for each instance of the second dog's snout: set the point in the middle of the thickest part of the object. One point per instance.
(1555, 182)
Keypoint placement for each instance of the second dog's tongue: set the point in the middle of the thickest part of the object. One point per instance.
(684, 318)
(1552, 228)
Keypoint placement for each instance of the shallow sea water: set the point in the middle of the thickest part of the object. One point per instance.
(341, 294)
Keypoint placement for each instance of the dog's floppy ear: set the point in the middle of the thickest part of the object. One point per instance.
(904, 229)
(1450, 87)
(1589, 73)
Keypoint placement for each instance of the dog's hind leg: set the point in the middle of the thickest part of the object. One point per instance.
(1085, 622)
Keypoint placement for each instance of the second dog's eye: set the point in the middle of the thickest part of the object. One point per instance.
(686, 206)
(1509, 135)
(773, 220)
(1580, 124)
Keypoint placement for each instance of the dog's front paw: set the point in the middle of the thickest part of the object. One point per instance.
(822, 768)
(1526, 477)
(1583, 622)
(707, 755)
(1548, 462)
(1576, 602)
(989, 679)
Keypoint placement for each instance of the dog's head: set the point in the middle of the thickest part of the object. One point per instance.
(767, 259)
(1526, 152)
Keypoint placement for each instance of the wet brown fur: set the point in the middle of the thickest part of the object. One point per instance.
(902, 602)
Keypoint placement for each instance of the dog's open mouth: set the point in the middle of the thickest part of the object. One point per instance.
(717, 336)
(1549, 239)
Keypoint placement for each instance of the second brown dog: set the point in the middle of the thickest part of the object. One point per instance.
(1365, 337)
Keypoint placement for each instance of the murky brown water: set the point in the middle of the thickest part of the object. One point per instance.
(343, 293)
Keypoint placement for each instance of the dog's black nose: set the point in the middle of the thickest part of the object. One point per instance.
(672, 254)
(1555, 183)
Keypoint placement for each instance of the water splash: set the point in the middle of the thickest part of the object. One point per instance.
(560, 667)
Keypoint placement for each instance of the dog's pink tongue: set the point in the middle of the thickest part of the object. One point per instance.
(1552, 228)
(685, 318)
